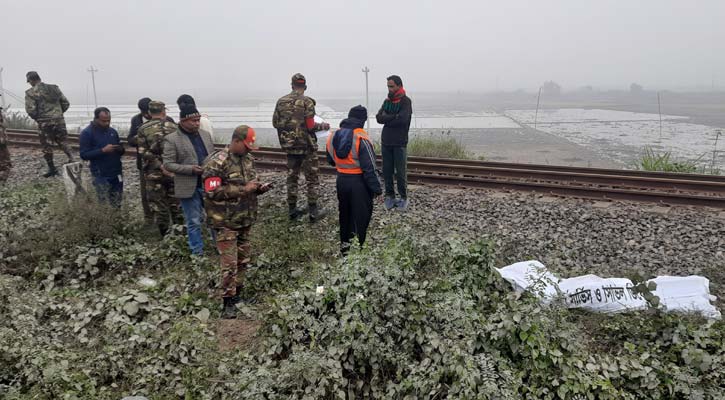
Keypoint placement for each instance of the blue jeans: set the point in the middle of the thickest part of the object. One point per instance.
(109, 189)
(394, 160)
(193, 208)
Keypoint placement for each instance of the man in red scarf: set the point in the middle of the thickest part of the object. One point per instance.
(395, 116)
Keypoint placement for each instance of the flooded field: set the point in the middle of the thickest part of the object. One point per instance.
(566, 136)
(622, 136)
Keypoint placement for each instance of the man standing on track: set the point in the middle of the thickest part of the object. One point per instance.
(100, 144)
(395, 116)
(5, 164)
(294, 119)
(46, 104)
(164, 208)
(184, 152)
(231, 188)
(350, 151)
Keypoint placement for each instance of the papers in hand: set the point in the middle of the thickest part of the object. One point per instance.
(321, 134)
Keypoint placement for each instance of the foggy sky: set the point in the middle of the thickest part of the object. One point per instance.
(221, 50)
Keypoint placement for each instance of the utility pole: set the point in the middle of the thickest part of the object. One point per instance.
(93, 79)
(2, 89)
(536, 116)
(366, 70)
(659, 110)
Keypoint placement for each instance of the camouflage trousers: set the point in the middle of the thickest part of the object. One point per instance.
(309, 165)
(165, 208)
(5, 164)
(53, 132)
(235, 254)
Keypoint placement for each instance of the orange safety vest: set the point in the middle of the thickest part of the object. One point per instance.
(351, 163)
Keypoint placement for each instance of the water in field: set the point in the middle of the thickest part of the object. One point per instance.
(568, 136)
(622, 135)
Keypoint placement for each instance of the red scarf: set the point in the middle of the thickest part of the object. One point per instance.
(397, 96)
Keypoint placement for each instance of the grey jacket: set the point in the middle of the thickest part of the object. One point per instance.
(179, 156)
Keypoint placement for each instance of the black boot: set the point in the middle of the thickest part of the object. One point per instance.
(52, 171)
(230, 310)
(317, 213)
(295, 213)
(237, 298)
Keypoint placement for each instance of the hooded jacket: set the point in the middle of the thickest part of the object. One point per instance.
(342, 143)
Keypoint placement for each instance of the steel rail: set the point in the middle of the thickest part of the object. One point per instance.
(594, 183)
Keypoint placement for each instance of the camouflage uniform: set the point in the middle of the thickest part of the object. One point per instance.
(46, 104)
(231, 210)
(159, 187)
(5, 164)
(298, 142)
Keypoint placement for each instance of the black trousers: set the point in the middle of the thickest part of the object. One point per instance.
(355, 203)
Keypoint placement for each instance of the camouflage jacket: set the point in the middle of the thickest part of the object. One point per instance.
(289, 120)
(227, 204)
(150, 141)
(3, 135)
(44, 102)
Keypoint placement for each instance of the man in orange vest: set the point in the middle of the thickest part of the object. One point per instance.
(351, 152)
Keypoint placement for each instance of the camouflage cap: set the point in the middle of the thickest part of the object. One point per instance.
(156, 107)
(298, 79)
(32, 76)
(246, 134)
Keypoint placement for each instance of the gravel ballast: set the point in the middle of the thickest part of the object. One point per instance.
(570, 236)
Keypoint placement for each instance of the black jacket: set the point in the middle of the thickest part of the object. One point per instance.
(136, 123)
(342, 143)
(396, 126)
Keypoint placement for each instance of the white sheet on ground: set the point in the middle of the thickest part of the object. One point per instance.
(526, 274)
(599, 294)
(676, 293)
(686, 294)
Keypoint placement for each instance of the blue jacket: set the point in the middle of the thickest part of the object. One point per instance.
(342, 143)
(93, 139)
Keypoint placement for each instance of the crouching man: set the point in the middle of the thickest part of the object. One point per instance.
(231, 189)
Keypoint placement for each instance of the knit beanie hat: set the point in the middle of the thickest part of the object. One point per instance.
(188, 111)
(358, 112)
(185, 99)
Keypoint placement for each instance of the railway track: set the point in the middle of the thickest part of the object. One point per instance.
(593, 183)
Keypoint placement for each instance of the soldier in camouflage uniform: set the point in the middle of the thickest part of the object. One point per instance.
(230, 191)
(46, 104)
(294, 119)
(5, 164)
(164, 207)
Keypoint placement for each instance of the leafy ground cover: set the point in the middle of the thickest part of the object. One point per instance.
(96, 306)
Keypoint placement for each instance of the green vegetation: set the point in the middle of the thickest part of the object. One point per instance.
(652, 160)
(18, 120)
(441, 145)
(410, 317)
